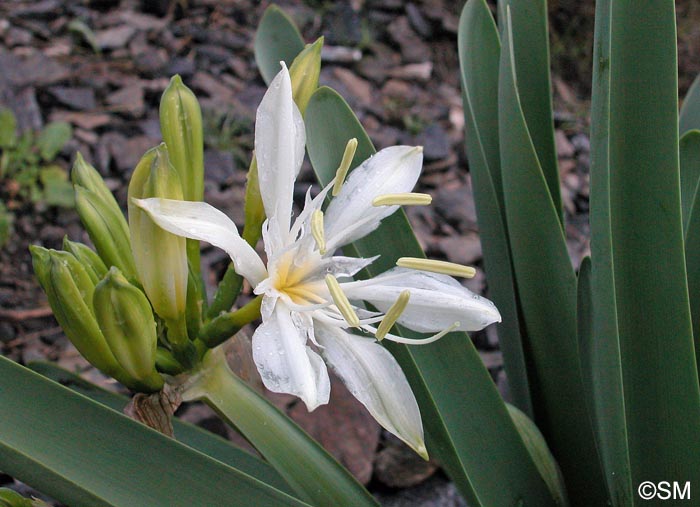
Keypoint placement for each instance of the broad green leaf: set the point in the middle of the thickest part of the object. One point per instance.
(85, 454)
(690, 111)
(689, 150)
(658, 374)
(604, 355)
(479, 50)
(474, 439)
(8, 128)
(277, 39)
(189, 434)
(531, 66)
(541, 259)
(308, 468)
(58, 191)
(51, 140)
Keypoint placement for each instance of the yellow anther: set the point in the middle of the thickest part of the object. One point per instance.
(392, 315)
(407, 199)
(317, 230)
(344, 167)
(341, 301)
(446, 268)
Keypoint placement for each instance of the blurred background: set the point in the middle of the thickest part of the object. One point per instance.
(87, 76)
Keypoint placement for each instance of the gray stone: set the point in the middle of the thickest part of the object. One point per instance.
(79, 98)
(36, 70)
(461, 249)
(18, 37)
(581, 143)
(220, 166)
(418, 22)
(435, 142)
(436, 492)
(398, 466)
(413, 49)
(182, 66)
(115, 38)
(343, 26)
(456, 205)
(215, 54)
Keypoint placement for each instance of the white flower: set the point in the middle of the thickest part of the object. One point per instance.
(306, 310)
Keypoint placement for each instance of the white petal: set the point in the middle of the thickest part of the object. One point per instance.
(279, 149)
(340, 266)
(374, 377)
(351, 215)
(201, 221)
(437, 301)
(285, 363)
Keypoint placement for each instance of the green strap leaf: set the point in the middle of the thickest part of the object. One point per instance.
(542, 456)
(540, 254)
(475, 439)
(604, 355)
(690, 198)
(689, 149)
(531, 66)
(479, 50)
(659, 374)
(690, 111)
(277, 39)
(85, 454)
(204, 441)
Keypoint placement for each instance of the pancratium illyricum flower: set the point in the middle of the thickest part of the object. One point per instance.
(308, 315)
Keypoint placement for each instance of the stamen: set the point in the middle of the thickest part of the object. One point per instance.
(407, 199)
(420, 341)
(341, 301)
(344, 167)
(443, 267)
(393, 314)
(317, 230)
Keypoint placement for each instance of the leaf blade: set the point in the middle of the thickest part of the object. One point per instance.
(85, 475)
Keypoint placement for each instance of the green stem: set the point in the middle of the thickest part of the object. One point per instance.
(313, 473)
(226, 325)
(183, 349)
(226, 293)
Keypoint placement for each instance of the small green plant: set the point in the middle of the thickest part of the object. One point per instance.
(27, 167)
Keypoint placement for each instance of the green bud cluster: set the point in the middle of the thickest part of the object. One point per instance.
(98, 317)
(133, 307)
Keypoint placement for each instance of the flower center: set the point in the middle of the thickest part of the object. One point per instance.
(292, 278)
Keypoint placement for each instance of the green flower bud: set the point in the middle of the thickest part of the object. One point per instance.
(10, 498)
(93, 264)
(181, 126)
(86, 176)
(106, 226)
(127, 323)
(304, 72)
(161, 257)
(70, 290)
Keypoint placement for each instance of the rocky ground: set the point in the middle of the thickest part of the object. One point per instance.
(101, 66)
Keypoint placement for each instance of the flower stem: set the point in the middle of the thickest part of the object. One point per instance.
(313, 473)
(226, 325)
